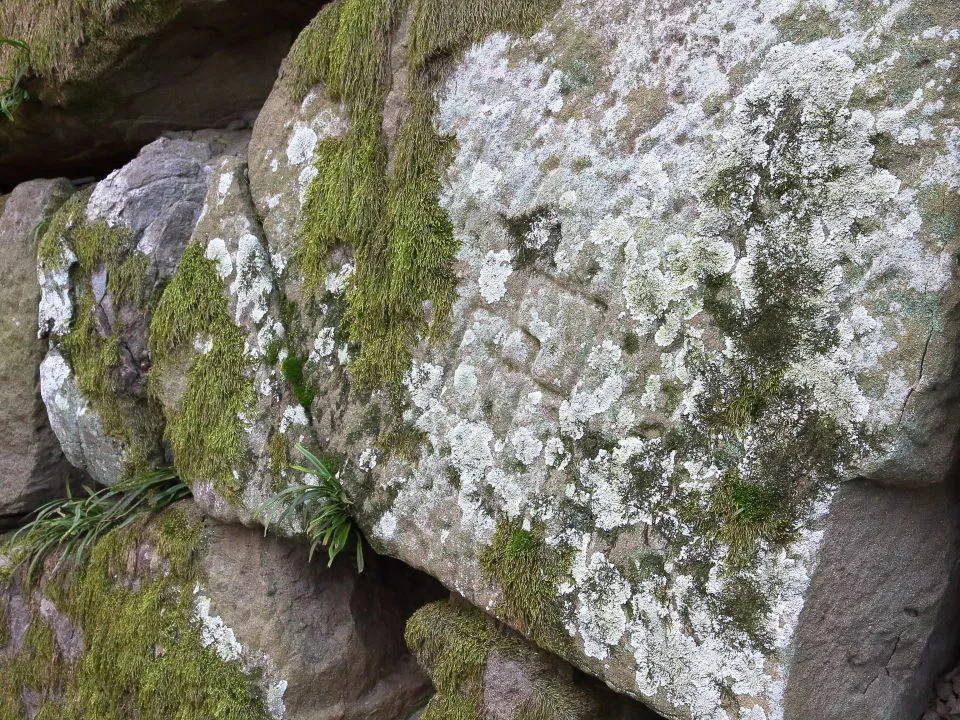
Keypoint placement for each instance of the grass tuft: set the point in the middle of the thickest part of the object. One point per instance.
(71, 526)
(324, 510)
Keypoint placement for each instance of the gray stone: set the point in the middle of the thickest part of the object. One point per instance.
(878, 625)
(155, 200)
(334, 636)
(32, 468)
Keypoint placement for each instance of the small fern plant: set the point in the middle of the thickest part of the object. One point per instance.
(324, 510)
(74, 524)
(12, 93)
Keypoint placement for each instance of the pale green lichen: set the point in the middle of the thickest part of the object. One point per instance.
(402, 240)
(92, 345)
(205, 431)
(144, 655)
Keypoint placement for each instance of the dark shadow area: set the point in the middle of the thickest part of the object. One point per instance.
(212, 66)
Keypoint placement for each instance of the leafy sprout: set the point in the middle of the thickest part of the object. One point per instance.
(13, 94)
(323, 510)
(74, 524)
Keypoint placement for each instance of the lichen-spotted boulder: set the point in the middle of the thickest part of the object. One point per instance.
(102, 263)
(183, 617)
(638, 327)
(32, 467)
(232, 392)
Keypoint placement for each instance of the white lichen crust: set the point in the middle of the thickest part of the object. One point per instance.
(696, 295)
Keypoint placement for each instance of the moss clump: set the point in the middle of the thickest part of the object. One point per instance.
(205, 431)
(528, 572)
(93, 345)
(746, 514)
(402, 240)
(453, 642)
(69, 40)
(144, 657)
(292, 370)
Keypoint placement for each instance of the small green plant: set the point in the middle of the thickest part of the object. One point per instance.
(324, 510)
(74, 524)
(13, 93)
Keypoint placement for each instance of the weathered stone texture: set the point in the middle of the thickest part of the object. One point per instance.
(706, 276)
(313, 642)
(32, 466)
(124, 235)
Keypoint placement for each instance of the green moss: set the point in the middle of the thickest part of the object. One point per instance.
(747, 513)
(4, 623)
(402, 439)
(747, 607)
(292, 370)
(92, 345)
(453, 642)
(528, 572)
(144, 657)
(75, 41)
(278, 451)
(519, 228)
(402, 241)
(205, 431)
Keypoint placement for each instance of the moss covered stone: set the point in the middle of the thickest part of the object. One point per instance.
(71, 41)
(204, 429)
(528, 572)
(143, 654)
(109, 287)
(402, 241)
(457, 644)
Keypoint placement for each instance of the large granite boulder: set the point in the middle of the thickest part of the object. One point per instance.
(32, 467)
(182, 617)
(103, 262)
(606, 306)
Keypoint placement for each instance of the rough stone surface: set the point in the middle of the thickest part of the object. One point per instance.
(211, 65)
(319, 642)
(335, 637)
(32, 467)
(946, 703)
(155, 200)
(707, 275)
(878, 627)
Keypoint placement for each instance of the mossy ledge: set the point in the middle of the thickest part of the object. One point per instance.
(454, 641)
(75, 41)
(402, 240)
(144, 655)
(93, 345)
(192, 325)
